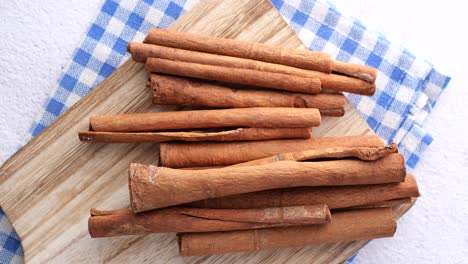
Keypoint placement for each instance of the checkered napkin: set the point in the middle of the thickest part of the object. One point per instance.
(408, 87)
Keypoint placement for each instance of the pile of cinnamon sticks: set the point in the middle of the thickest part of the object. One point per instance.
(258, 179)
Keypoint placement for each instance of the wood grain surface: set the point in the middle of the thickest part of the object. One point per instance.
(49, 186)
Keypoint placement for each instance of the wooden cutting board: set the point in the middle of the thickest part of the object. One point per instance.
(49, 186)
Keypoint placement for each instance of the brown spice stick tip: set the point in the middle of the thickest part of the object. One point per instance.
(363, 153)
(362, 72)
(311, 60)
(96, 212)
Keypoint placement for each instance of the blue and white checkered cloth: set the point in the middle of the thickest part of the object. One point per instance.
(408, 87)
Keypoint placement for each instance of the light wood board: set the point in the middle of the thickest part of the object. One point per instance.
(49, 186)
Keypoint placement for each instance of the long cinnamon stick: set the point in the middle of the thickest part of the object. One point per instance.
(312, 60)
(345, 226)
(154, 187)
(362, 153)
(335, 197)
(125, 222)
(180, 155)
(225, 135)
(140, 52)
(270, 80)
(263, 117)
(172, 90)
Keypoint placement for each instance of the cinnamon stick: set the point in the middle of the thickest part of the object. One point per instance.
(172, 90)
(154, 187)
(311, 60)
(362, 72)
(336, 82)
(225, 135)
(362, 153)
(335, 197)
(346, 226)
(270, 80)
(125, 222)
(263, 117)
(180, 155)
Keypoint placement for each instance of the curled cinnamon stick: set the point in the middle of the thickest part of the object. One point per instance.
(362, 153)
(346, 226)
(270, 80)
(335, 197)
(125, 222)
(140, 52)
(180, 155)
(263, 117)
(172, 90)
(225, 135)
(312, 60)
(154, 187)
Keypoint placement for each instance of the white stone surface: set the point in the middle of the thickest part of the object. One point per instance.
(38, 39)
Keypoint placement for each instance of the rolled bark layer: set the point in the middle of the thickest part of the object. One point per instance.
(311, 60)
(262, 117)
(125, 222)
(180, 155)
(346, 226)
(388, 203)
(335, 197)
(269, 80)
(140, 52)
(154, 187)
(172, 90)
(362, 153)
(227, 135)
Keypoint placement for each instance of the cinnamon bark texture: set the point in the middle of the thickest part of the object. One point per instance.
(387, 203)
(226, 135)
(172, 90)
(270, 80)
(154, 187)
(335, 197)
(125, 222)
(362, 72)
(311, 60)
(263, 117)
(362, 153)
(346, 226)
(180, 155)
(140, 52)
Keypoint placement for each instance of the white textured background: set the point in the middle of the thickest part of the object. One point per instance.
(38, 39)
